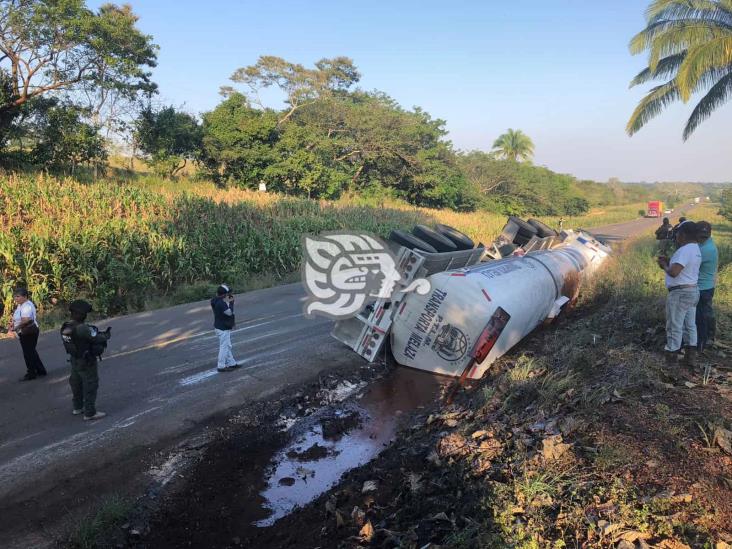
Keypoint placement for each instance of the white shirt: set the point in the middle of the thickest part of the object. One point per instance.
(25, 310)
(689, 256)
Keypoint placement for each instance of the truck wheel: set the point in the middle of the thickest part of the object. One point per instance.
(542, 229)
(436, 240)
(461, 240)
(410, 241)
(521, 239)
(524, 227)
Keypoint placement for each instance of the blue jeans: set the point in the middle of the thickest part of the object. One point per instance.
(705, 322)
(681, 318)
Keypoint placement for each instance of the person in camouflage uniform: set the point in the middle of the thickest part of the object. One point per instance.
(79, 339)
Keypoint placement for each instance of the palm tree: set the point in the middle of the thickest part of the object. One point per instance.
(690, 46)
(514, 144)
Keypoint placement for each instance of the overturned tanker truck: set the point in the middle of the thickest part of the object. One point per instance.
(481, 301)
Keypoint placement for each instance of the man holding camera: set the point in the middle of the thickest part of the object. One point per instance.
(682, 277)
(84, 344)
(224, 322)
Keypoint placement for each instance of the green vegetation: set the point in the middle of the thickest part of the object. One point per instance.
(92, 61)
(96, 528)
(76, 80)
(168, 138)
(336, 143)
(123, 245)
(689, 44)
(725, 210)
(519, 188)
(514, 145)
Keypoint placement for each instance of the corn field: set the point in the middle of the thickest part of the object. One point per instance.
(118, 243)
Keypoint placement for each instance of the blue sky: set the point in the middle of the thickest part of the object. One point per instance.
(557, 70)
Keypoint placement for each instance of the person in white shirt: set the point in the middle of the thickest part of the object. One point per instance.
(25, 326)
(682, 275)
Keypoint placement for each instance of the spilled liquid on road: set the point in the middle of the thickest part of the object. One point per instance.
(342, 437)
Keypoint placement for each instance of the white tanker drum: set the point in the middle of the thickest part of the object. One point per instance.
(472, 316)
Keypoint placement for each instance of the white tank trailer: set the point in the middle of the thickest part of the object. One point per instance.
(472, 316)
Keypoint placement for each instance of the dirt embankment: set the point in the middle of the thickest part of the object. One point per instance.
(570, 441)
(588, 446)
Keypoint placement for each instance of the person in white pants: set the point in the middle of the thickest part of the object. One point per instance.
(682, 277)
(224, 321)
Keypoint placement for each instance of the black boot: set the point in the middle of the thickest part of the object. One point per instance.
(690, 357)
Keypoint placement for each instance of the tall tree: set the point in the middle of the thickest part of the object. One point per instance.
(689, 44)
(169, 139)
(62, 46)
(301, 86)
(514, 145)
(64, 140)
(238, 142)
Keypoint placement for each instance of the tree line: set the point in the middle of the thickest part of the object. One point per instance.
(74, 80)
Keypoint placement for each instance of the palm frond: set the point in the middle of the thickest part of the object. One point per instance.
(689, 9)
(671, 37)
(651, 105)
(664, 68)
(514, 144)
(717, 95)
(700, 60)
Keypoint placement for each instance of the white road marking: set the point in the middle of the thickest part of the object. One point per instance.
(21, 439)
(163, 344)
(131, 420)
(197, 378)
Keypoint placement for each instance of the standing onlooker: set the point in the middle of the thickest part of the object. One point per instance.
(224, 322)
(705, 323)
(664, 235)
(82, 343)
(675, 228)
(25, 326)
(682, 274)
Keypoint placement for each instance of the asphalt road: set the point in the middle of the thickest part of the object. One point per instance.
(157, 381)
(620, 231)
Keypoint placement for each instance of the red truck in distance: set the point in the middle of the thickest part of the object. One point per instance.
(654, 208)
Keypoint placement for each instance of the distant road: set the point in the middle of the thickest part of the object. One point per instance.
(157, 382)
(620, 231)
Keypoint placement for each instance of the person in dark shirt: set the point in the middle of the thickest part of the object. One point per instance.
(675, 229)
(664, 235)
(224, 321)
(705, 322)
(79, 338)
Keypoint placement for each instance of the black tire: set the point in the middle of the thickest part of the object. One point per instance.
(523, 226)
(521, 240)
(410, 241)
(507, 249)
(542, 229)
(436, 240)
(525, 234)
(461, 240)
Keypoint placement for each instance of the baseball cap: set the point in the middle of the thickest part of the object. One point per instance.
(223, 289)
